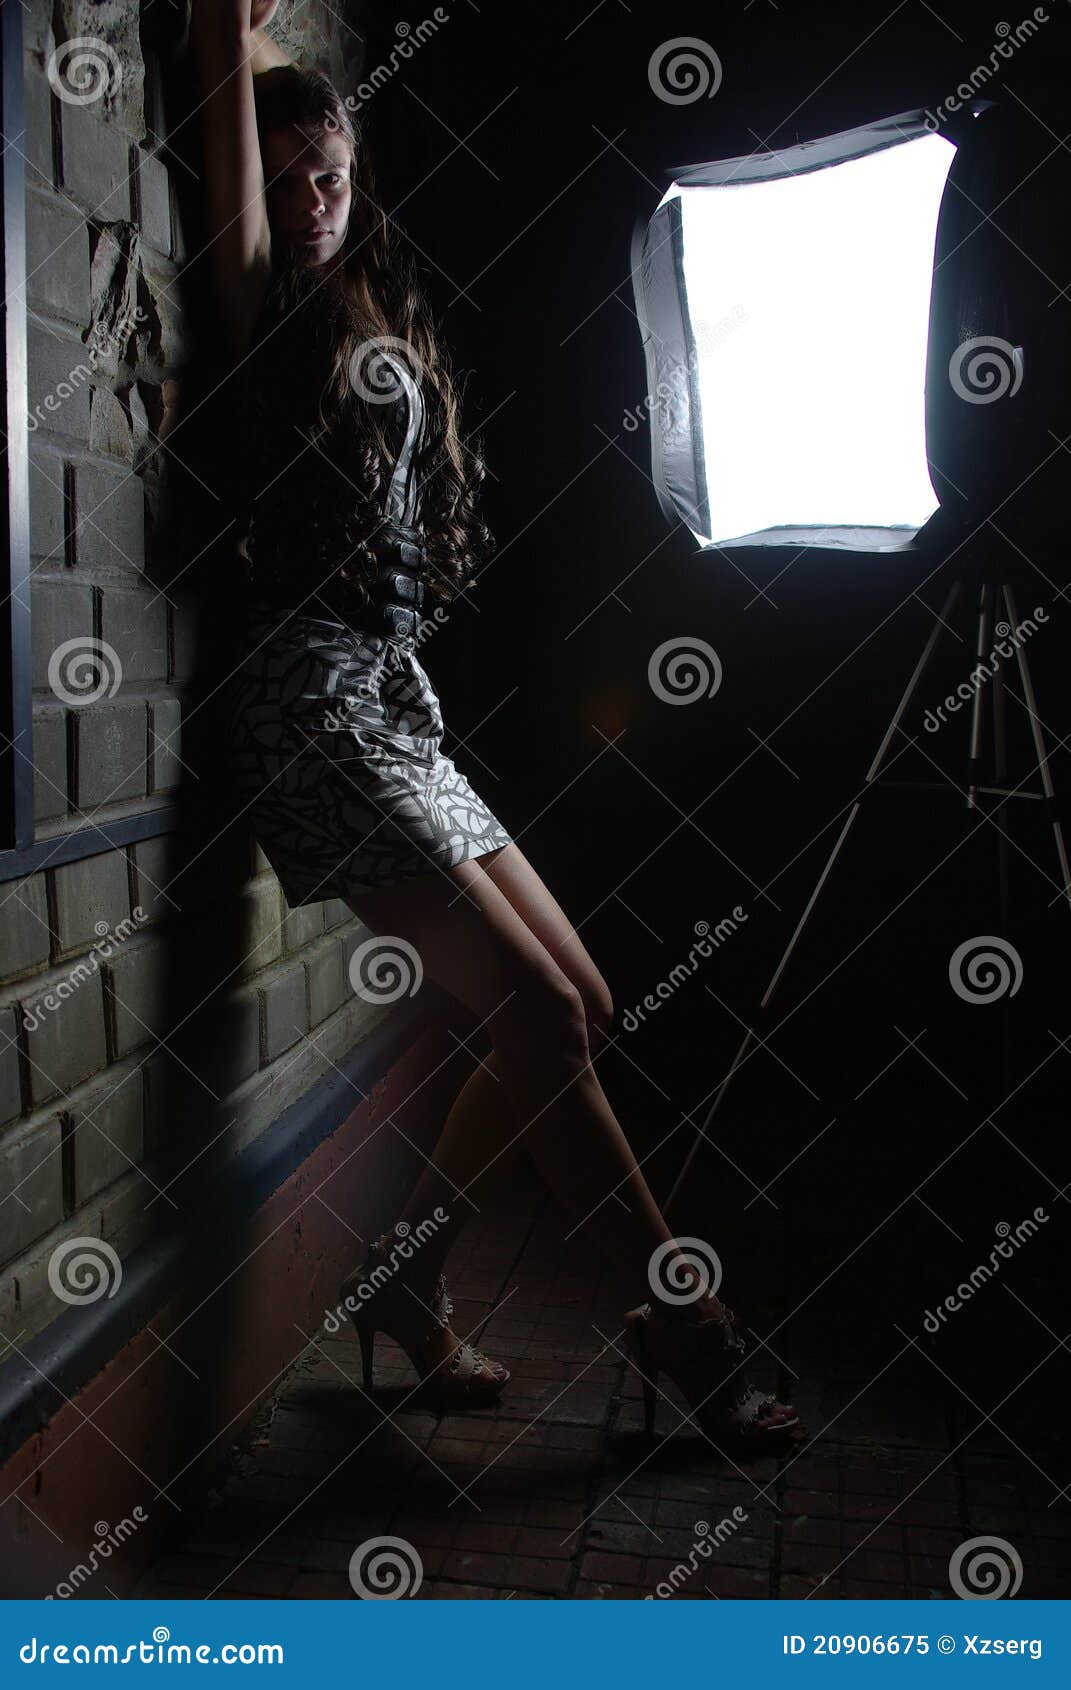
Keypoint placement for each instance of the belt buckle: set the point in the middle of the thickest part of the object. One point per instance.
(399, 622)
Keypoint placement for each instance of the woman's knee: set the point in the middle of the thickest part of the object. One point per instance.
(544, 1023)
(599, 1010)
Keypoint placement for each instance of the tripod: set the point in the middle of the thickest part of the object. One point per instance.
(992, 588)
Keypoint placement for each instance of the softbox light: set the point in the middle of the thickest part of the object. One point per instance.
(786, 304)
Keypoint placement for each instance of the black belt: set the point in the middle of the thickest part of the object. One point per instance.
(398, 591)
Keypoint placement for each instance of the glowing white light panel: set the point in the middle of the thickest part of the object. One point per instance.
(809, 299)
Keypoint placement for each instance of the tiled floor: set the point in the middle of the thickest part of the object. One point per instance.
(557, 1494)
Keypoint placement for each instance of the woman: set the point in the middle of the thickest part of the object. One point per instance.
(357, 499)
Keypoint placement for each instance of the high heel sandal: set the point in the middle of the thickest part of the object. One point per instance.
(703, 1358)
(467, 1379)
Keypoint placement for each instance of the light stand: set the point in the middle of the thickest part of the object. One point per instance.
(987, 585)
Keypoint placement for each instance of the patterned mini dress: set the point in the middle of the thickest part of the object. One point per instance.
(334, 734)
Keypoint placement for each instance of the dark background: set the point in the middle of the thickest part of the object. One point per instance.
(518, 148)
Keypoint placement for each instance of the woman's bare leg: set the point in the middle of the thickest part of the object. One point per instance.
(475, 1150)
(473, 941)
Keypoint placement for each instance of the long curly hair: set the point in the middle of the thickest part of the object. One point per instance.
(312, 367)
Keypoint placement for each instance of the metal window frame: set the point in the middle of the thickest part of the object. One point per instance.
(22, 852)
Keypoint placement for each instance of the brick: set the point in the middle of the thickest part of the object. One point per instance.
(180, 247)
(302, 925)
(135, 625)
(31, 1177)
(37, 139)
(186, 632)
(24, 926)
(156, 861)
(111, 753)
(61, 610)
(66, 1035)
(57, 259)
(139, 979)
(10, 1086)
(328, 986)
(49, 764)
(155, 203)
(336, 911)
(285, 1016)
(92, 897)
(110, 432)
(96, 163)
(237, 1056)
(60, 376)
(170, 319)
(47, 507)
(261, 935)
(109, 512)
(166, 743)
(108, 1125)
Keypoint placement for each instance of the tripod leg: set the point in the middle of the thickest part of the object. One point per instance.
(1000, 775)
(1040, 749)
(874, 770)
(982, 646)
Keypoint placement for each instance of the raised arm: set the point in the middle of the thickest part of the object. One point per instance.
(230, 48)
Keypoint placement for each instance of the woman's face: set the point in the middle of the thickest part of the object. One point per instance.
(308, 191)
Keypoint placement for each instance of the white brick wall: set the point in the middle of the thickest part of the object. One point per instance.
(87, 1095)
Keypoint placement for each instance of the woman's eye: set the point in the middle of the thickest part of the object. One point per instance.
(333, 178)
